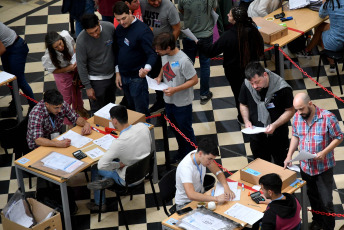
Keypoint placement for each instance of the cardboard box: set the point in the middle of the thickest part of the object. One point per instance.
(269, 30)
(258, 168)
(102, 116)
(40, 211)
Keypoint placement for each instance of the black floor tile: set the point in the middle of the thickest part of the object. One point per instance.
(137, 216)
(36, 20)
(227, 126)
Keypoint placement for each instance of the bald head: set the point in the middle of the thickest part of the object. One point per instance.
(303, 105)
(301, 98)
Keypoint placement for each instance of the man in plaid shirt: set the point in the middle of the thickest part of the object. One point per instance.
(46, 120)
(316, 131)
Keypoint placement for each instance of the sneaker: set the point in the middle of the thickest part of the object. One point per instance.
(205, 99)
(157, 107)
(100, 184)
(304, 54)
(93, 207)
(332, 68)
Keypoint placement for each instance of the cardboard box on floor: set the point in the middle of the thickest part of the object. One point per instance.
(258, 168)
(269, 30)
(40, 211)
(102, 120)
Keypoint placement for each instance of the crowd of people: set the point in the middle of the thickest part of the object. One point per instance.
(143, 42)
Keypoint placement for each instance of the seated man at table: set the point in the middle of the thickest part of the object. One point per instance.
(190, 176)
(46, 120)
(132, 145)
(283, 210)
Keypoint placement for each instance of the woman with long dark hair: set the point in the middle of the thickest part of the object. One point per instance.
(241, 44)
(58, 61)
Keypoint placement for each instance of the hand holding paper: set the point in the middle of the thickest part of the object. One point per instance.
(253, 130)
(303, 155)
(189, 34)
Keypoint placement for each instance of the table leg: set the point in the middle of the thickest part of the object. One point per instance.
(20, 180)
(155, 166)
(304, 208)
(17, 100)
(65, 205)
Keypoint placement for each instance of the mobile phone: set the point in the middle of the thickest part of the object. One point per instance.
(278, 16)
(184, 210)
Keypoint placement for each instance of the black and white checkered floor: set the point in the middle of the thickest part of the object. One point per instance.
(216, 120)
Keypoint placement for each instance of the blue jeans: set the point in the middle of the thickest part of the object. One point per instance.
(190, 49)
(89, 9)
(182, 118)
(13, 61)
(136, 91)
(95, 173)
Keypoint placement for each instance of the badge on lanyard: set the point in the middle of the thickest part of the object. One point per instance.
(175, 64)
(126, 41)
(270, 105)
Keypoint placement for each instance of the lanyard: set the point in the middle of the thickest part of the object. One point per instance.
(52, 122)
(199, 170)
(125, 130)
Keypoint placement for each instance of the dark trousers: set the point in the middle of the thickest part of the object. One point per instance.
(182, 118)
(266, 146)
(154, 73)
(105, 91)
(319, 191)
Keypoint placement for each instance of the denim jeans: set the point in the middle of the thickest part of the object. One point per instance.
(89, 9)
(136, 91)
(95, 174)
(190, 49)
(182, 118)
(13, 62)
(319, 191)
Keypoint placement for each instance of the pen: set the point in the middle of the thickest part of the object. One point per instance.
(95, 130)
(243, 186)
(254, 205)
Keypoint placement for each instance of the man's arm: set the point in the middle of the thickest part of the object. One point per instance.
(2, 48)
(229, 194)
(294, 142)
(86, 127)
(176, 30)
(196, 196)
(245, 113)
(284, 118)
(322, 154)
(41, 141)
(189, 83)
(106, 161)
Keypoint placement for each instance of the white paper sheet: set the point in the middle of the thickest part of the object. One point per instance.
(153, 84)
(215, 16)
(253, 130)
(16, 213)
(105, 141)
(202, 222)
(244, 213)
(73, 60)
(256, 187)
(232, 185)
(4, 76)
(104, 112)
(296, 4)
(294, 168)
(77, 140)
(189, 34)
(303, 155)
(59, 161)
(94, 153)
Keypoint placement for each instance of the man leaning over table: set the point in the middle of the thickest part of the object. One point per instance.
(316, 131)
(190, 176)
(132, 145)
(46, 120)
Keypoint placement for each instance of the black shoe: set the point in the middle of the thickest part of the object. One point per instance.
(101, 184)
(157, 107)
(315, 226)
(93, 207)
(205, 99)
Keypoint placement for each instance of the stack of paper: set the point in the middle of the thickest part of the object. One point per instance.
(232, 185)
(105, 141)
(199, 221)
(17, 214)
(296, 4)
(77, 140)
(104, 112)
(94, 153)
(59, 161)
(4, 76)
(244, 213)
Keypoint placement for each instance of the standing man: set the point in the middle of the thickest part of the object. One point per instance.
(316, 131)
(198, 18)
(135, 53)
(161, 16)
(96, 61)
(266, 100)
(180, 76)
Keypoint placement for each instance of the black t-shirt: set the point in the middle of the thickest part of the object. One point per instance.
(281, 100)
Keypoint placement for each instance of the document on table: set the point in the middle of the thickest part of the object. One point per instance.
(153, 84)
(77, 140)
(105, 141)
(232, 185)
(296, 4)
(59, 161)
(244, 213)
(189, 34)
(105, 111)
(4, 76)
(303, 155)
(201, 221)
(73, 60)
(94, 153)
(253, 130)
(215, 16)
(16, 213)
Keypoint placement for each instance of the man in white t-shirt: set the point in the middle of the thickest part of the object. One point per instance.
(190, 176)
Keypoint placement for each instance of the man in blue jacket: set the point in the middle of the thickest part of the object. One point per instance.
(135, 53)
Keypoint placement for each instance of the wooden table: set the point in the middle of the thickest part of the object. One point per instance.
(246, 200)
(303, 21)
(15, 95)
(43, 151)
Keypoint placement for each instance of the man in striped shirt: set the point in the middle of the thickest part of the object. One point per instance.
(316, 131)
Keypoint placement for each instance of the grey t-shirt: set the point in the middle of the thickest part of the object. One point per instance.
(177, 70)
(197, 16)
(160, 19)
(7, 35)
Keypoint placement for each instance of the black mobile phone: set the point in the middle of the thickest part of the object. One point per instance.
(278, 16)
(184, 210)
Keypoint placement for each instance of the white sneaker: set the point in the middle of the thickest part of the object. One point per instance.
(332, 69)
